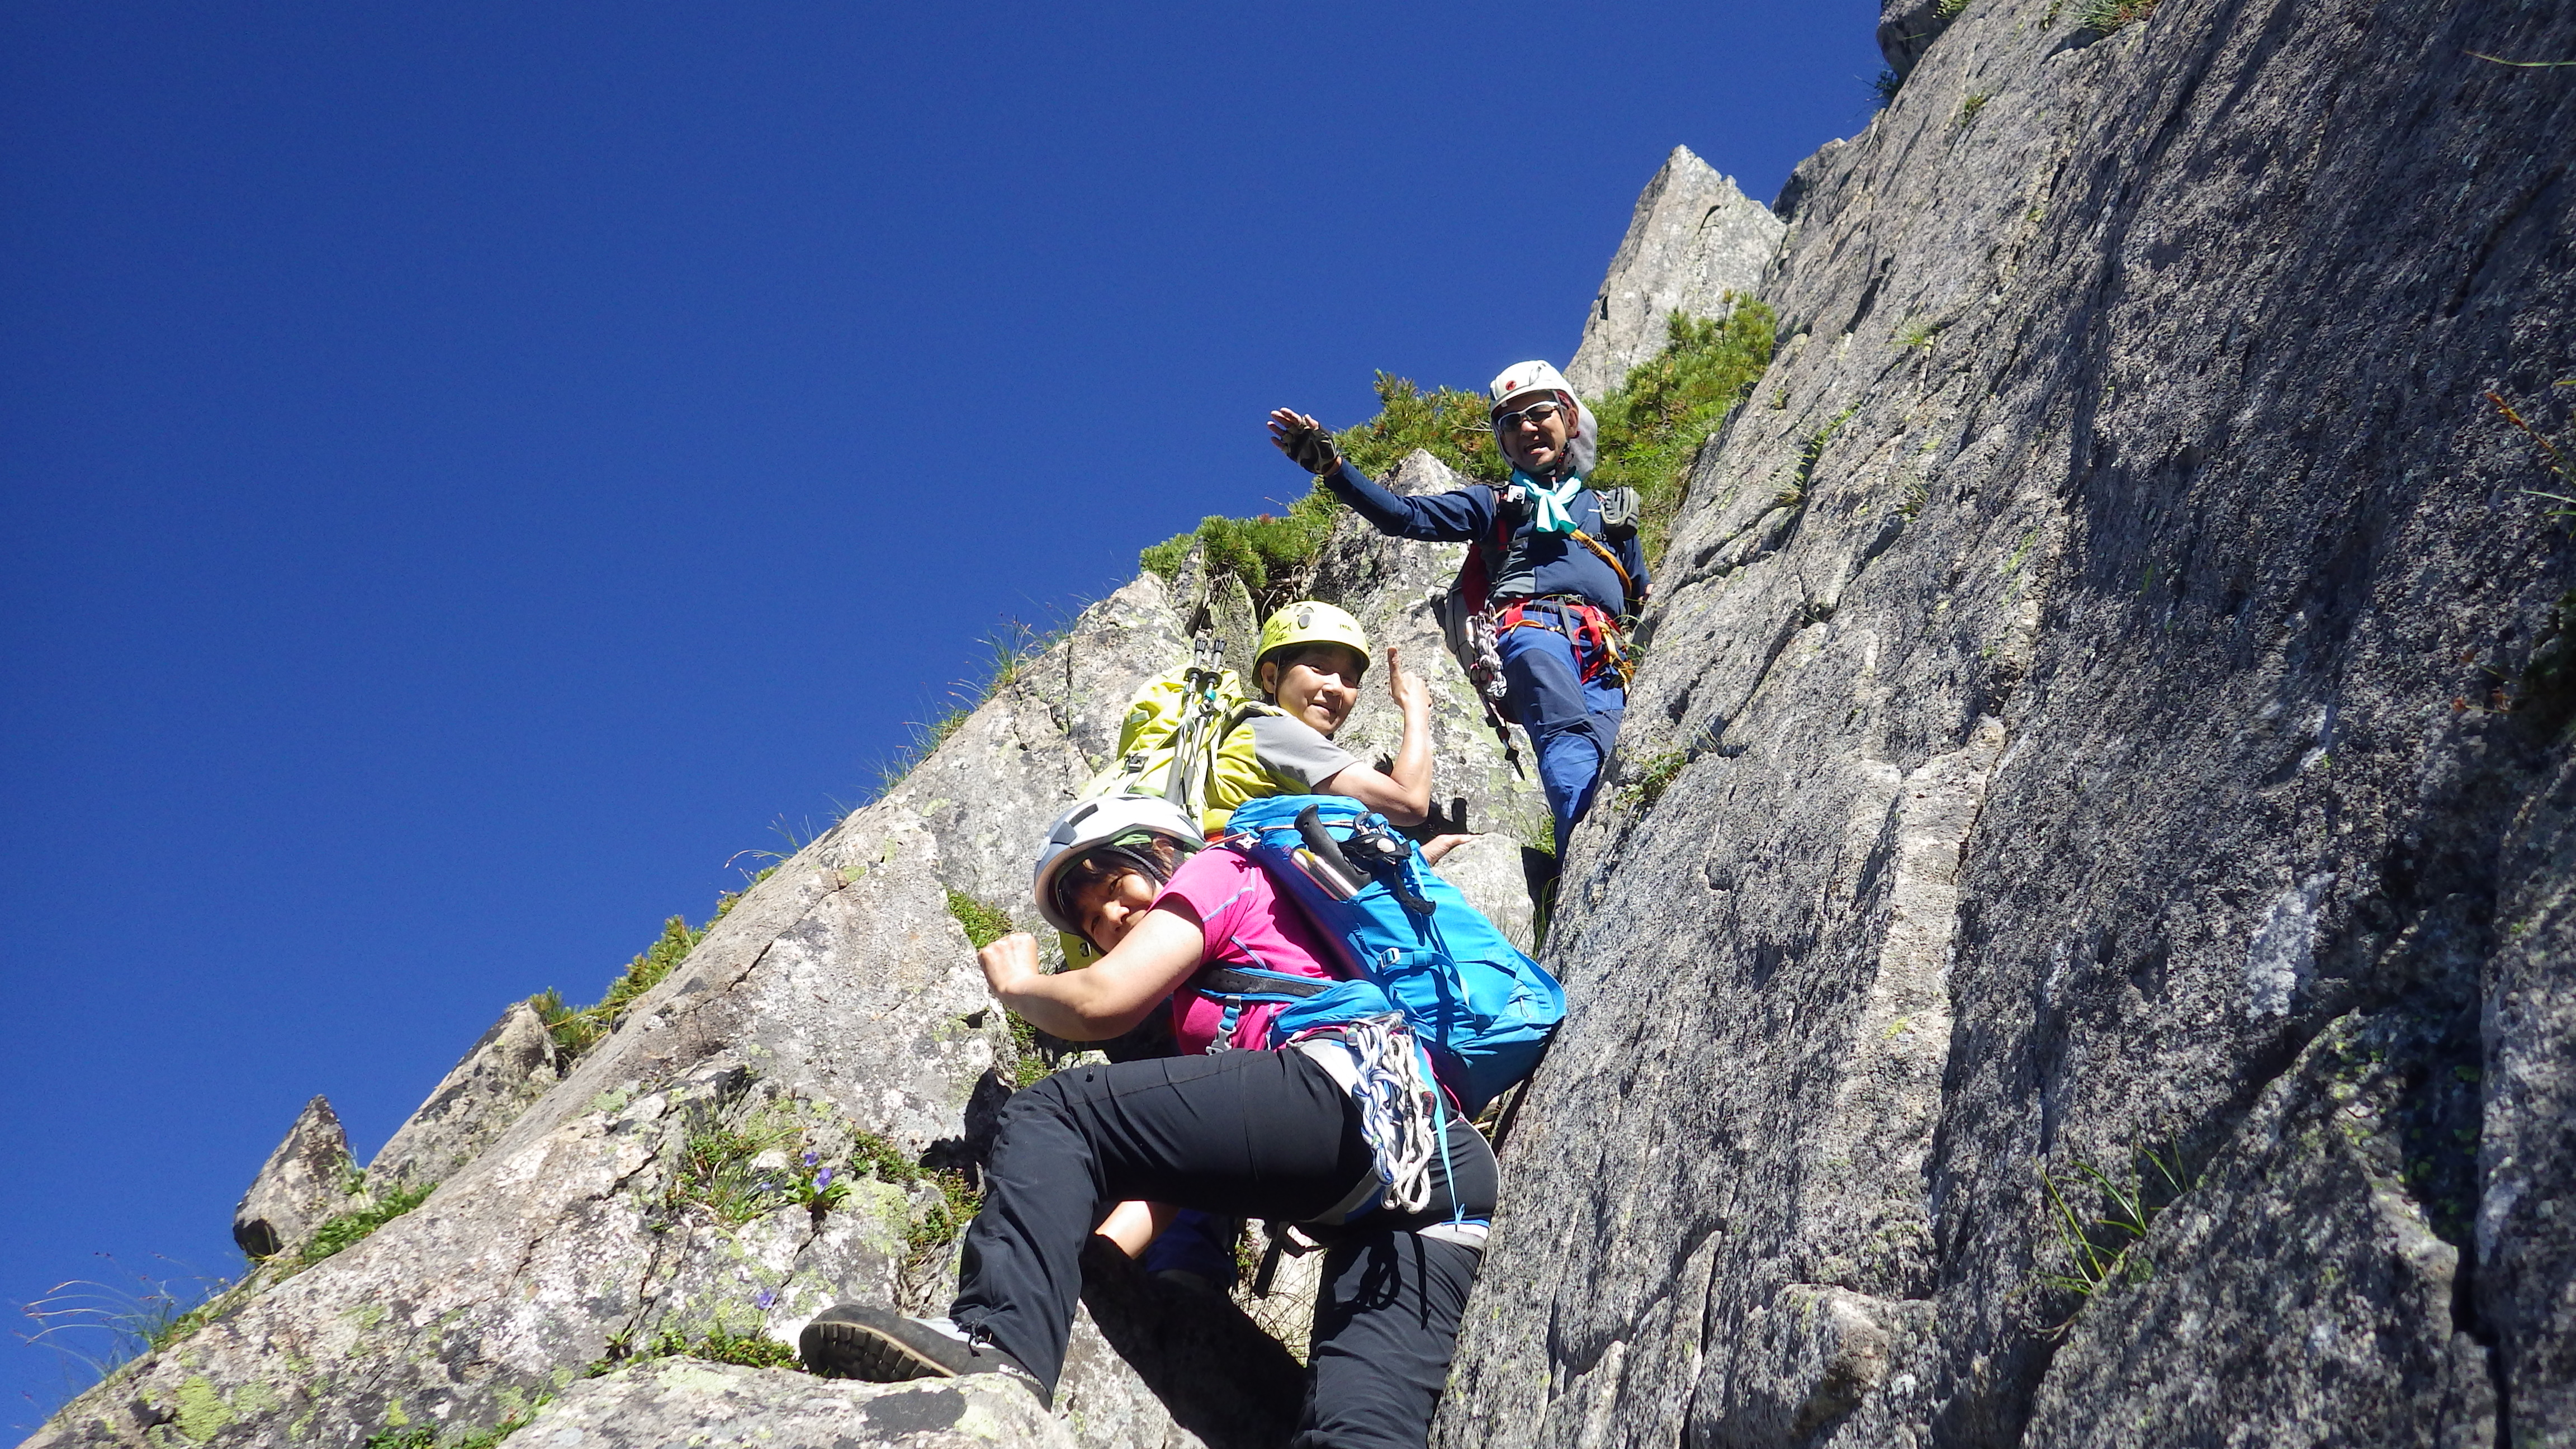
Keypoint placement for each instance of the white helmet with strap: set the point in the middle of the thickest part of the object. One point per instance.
(1521, 379)
(1120, 823)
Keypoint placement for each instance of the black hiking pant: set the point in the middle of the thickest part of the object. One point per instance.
(1264, 1134)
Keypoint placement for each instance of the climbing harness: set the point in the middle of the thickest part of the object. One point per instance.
(1593, 633)
(1471, 620)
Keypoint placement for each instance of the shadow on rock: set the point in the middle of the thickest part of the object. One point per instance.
(1215, 1371)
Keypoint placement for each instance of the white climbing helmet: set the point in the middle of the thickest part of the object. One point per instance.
(1525, 377)
(1120, 823)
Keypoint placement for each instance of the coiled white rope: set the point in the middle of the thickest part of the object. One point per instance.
(1400, 1111)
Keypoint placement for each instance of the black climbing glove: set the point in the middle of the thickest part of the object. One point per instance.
(1311, 449)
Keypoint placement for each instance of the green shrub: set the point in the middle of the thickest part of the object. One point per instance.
(425, 1436)
(1651, 429)
(1008, 653)
(171, 1329)
(720, 1167)
(1653, 423)
(1795, 478)
(576, 1029)
(1449, 424)
(958, 1199)
(147, 1316)
(948, 1217)
(2104, 16)
(2097, 1245)
(1656, 776)
(1031, 1066)
(984, 924)
(1271, 554)
(351, 1228)
(746, 1350)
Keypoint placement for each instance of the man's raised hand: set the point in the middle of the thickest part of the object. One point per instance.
(1304, 441)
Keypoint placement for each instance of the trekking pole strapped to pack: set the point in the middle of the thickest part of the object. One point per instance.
(1194, 742)
(1480, 1007)
(1182, 734)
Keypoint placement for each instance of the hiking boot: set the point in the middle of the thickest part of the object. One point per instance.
(856, 1341)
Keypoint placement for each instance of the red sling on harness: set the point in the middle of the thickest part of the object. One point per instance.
(1591, 630)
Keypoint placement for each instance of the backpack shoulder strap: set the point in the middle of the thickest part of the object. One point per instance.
(1500, 544)
(1627, 585)
(1485, 555)
(1233, 981)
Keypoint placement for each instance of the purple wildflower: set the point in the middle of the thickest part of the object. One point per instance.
(768, 1298)
(823, 1179)
(810, 1159)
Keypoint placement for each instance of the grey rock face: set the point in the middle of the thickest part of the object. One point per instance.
(2118, 670)
(509, 1068)
(2304, 1238)
(837, 997)
(2099, 973)
(719, 1406)
(1693, 240)
(2525, 1238)
(300, 1186)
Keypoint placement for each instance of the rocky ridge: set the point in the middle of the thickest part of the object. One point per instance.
(591, 1215)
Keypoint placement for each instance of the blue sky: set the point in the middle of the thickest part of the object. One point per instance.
(468, 471)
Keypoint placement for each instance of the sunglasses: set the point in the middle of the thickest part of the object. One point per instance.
(1537, 415)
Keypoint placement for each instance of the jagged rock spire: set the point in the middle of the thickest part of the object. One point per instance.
(1694, 238)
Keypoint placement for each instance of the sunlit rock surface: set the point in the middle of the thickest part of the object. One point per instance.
(301, 1186)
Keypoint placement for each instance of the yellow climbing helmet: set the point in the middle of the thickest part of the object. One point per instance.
(1308, 622)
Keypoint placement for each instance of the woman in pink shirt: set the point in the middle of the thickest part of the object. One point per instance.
(1244, 1125)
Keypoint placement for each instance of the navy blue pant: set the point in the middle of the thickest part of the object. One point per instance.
(1571, 724)
(1197, 1243)
(1244, 1134)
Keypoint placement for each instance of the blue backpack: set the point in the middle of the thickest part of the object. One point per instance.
(1481, 1008)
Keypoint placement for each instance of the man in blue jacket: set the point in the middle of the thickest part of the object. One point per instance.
(1555, 576)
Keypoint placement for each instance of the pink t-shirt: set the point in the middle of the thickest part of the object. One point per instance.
(1247, 923)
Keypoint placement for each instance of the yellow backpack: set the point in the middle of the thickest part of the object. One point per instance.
(1183, 739)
